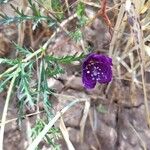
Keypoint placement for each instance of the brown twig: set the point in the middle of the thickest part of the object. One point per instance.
(102, 12)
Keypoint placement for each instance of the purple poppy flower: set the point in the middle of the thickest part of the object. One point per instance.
(96, 68)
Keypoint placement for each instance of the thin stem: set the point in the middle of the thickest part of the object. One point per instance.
(6, 108)
(25, 116)
(39, 70)
(140, 138)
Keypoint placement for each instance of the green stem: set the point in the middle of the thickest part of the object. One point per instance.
(24, 60)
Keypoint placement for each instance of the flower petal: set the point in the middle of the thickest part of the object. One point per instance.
(96, 68)
(102, 58)
(87, 80)
(105, 75)
(88, 84)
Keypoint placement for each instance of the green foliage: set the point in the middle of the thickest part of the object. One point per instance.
(32, 69)
(65, 59)
(37, 16)
(3, 83)
(43, 89)
(100, 108)
(80, 10)
(22, 50)
(57, 7)
(54, 69)
(25, 90)
(50, 138)
(35, 10)
(8, 61)
(4, 1)
(21, 17)
(81, 22)
(77, 35)
(26, 87)
(46, 3)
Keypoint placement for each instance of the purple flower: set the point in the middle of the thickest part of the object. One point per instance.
(96, 68)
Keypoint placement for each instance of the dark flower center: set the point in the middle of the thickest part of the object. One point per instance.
(94, 70)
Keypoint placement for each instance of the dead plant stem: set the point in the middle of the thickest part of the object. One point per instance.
(6, 108)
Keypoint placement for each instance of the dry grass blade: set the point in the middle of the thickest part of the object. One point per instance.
(83, 120)
(116, 30)
(133, 88)
(39, 138)
(66, 134)
(28, 115)
(136, 30)
(93, 123)
(29, 130)
(140, 138)
(5, 109)
(67, 5)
